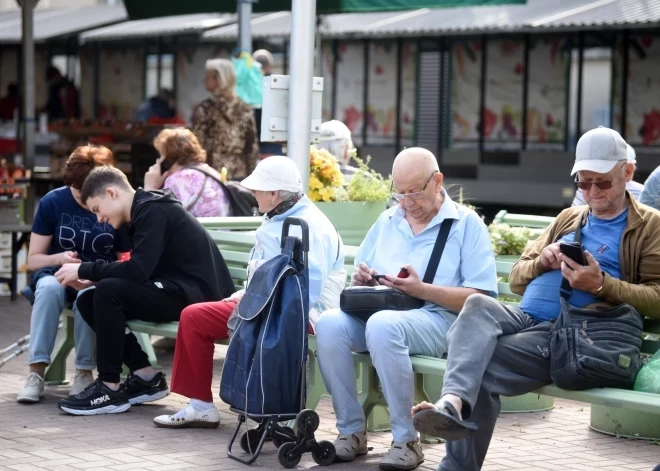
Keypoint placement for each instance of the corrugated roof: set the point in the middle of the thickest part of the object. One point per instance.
(53, 23)
(534, 16)
(166, 26)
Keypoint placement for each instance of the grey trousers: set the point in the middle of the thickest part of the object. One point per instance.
(493, 349)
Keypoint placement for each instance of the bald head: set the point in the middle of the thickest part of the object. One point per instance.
(415, 160)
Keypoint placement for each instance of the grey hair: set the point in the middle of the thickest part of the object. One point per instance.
(287, 195)
(337, 147)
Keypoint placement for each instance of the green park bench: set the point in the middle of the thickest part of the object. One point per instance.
(622, 412)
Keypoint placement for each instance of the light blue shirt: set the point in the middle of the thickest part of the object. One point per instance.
(326, 250)
(651, 194)
(467, 260)
(602, 238)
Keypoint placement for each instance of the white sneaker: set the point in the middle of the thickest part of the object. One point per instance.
(350, 446)
(209, 418)
(402, 456)
(32, 390)
(80, 381)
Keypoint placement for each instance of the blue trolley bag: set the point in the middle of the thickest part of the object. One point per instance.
(264, 369)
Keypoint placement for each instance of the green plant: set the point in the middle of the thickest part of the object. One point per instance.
(368, 185)
(507, 240)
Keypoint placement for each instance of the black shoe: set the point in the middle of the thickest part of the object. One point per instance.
(141, 391)
(95, 399)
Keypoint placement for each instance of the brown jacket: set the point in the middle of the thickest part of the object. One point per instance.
(639, 255)
(227, 131)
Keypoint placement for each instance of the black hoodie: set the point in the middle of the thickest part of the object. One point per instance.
(171, 247)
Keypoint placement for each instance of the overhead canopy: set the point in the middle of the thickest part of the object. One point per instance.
(51, 24)
(140, 9)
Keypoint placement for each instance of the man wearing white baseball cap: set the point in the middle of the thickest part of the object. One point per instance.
(511, 354)
(277, 186)
(635, 188)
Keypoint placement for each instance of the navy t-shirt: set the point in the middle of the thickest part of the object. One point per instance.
(76, 229)
(602, 238)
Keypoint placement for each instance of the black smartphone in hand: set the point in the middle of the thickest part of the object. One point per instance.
(377, 277)
(165, 165)
(574, 251)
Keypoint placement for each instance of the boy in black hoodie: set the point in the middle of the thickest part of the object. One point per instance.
(174, 263)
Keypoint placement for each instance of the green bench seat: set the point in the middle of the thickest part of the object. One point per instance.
(428, 371)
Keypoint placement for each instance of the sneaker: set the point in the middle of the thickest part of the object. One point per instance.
(96, 399)
(402, 456)
(141, 391)
(209, 418)
(32, 390)
(80, 381)
(350, 446)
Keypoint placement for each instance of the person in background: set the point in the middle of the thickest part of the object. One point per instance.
(9, 102)
(632, 186)
(277, 185)
(224, 125)
(192, 181)
(65, 231)
(265, 59)
(159, 106)
(651, 194)
(62, 96)
(336, 138)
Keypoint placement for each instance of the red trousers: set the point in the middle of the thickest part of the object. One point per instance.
(200, 326)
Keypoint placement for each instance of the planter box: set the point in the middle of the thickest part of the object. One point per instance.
(352, 219)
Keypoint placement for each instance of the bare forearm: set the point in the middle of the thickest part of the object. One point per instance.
(449, 298)
(40, 260)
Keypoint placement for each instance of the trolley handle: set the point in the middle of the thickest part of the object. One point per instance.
(291, 221)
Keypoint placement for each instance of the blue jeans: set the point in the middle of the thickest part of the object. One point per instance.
(390, 337)
(49, 302)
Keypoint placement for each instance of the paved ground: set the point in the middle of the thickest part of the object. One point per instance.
(40, 437)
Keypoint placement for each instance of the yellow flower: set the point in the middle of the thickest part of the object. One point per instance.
(314, 182)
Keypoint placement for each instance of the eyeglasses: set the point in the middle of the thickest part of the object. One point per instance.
(414, 196)
(602, 185)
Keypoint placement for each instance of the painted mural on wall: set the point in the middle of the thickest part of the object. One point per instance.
(381, 101)
(327, 71)
(350, 88)
(548, 92)
(643, 109)
(121, 83)
(409, 58)
(465, 93)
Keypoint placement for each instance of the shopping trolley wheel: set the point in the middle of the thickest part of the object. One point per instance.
(279, 439)
(307, 421)
(327, 455)
(250, 440)
(287, 457)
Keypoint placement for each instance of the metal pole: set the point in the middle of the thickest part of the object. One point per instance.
(28, 83)
(482, 104)
(244, 25)
(624, 83)
(525, 102)
(159, 64)
(303, 16)
(578, 106)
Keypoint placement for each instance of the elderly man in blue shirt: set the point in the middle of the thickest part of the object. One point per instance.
(404, 236)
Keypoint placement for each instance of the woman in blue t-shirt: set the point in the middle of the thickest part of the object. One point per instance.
(65, 231)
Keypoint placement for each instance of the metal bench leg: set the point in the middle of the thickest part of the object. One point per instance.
(56, 371)
(369, 393)
(145, 343)
(315, 386)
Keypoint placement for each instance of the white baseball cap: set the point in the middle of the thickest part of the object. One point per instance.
(273, 174)
(333, 129)
(632, 156)
(599, 150)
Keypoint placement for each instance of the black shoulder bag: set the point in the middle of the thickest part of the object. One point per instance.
(364, 301)
(592, 348)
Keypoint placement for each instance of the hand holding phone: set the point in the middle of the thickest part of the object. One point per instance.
(574, 251)
(377, 277)
(404, 273)
(165, 165)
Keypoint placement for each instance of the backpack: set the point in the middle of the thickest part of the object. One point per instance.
(241, 200)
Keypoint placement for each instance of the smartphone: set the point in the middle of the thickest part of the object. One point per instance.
(165, 165)
(403, 273)
(574, 251)
(377, 277)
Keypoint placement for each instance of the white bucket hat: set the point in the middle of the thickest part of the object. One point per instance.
(273, 174)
